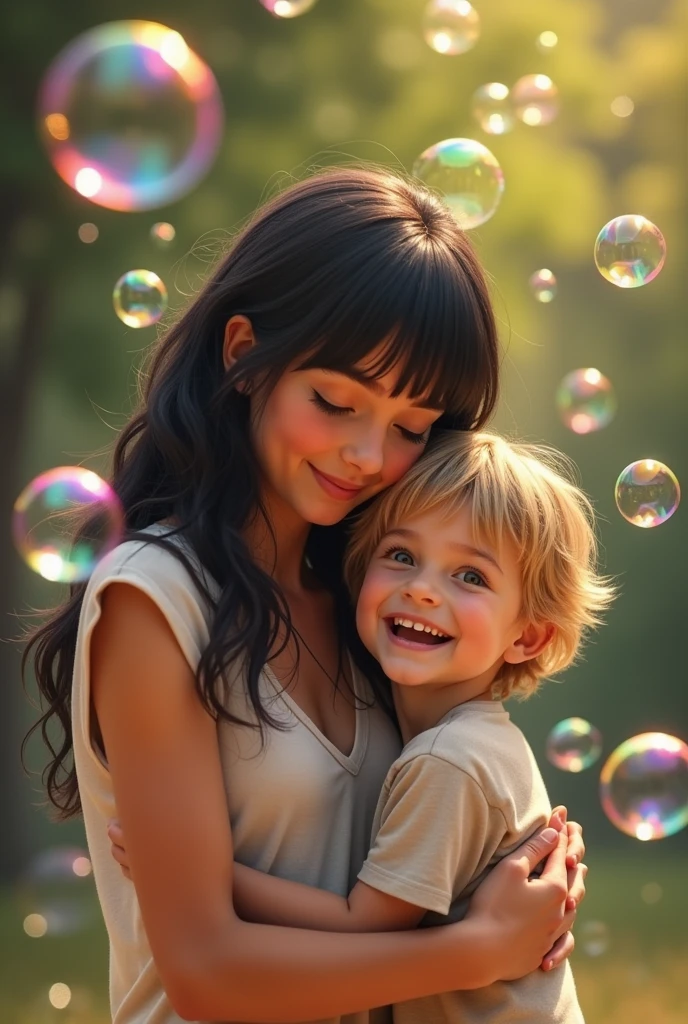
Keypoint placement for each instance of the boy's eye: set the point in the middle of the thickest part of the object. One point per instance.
(475, 579)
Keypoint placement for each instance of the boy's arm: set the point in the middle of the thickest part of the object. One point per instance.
(264, 899)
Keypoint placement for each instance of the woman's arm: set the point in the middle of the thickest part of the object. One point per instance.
(164, 762)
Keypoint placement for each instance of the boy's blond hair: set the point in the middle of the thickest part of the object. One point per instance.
(516, 490)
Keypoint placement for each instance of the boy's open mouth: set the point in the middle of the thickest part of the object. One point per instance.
(416, 632)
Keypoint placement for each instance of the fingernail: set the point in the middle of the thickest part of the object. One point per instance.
(549, 835)
(549, 965)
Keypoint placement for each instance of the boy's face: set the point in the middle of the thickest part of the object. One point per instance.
(431, 571)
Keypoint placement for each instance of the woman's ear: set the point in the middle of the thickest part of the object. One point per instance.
(239, 339)
(532, 641)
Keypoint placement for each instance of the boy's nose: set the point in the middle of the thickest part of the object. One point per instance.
(422, 592)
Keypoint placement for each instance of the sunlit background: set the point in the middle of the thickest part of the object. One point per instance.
(136, 140)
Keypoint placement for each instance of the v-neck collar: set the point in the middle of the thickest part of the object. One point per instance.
(353, 761)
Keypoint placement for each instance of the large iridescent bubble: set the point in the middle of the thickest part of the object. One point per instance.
(131, 117)
(647, 493)
(468, 175)
(139, 298)
(45, 516)
(630, 251)
(586, 400)
(288, 8)
(535, 99)
(491, 107)
(573, 745)
(644, 786)
(451, 26)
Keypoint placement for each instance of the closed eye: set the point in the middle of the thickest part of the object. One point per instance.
(331, 410)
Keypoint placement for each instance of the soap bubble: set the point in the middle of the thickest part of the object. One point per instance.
(288, 8)
(491, 107)
(543, 285)
(467, 174)
(56, 895)
(594, 937)
(535, 99)
(163, 234)
(573, 745)
(139, 298)
(586, 400)
(451, 26)
(131, 118)
(630, 251)
(644, 786)
(44, 519)
(647, 493)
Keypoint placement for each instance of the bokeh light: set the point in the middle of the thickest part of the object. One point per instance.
(288, 8)
(543, 285)
(88, 233)
(586, 400)
(622, 106)
(535, 100)
(44, 517)
(651, 892)
(55, 895)
(451, 26)
(163, 234)
(593, 937)
(491, 107)
(131, 118)
(139, 298)
(630, 251)
(647, 493)
(644, 786)
(468, 176)
(60, 995)
(573, 745)
(546, 41)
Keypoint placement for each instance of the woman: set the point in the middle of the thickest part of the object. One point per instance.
(208, 678)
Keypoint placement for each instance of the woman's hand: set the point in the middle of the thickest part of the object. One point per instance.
(117, 848)
(526, 915)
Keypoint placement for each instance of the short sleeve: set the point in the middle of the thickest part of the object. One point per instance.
(437, 832)
(165, 580)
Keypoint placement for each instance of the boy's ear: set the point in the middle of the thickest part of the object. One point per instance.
(239, 339)
(530, 643)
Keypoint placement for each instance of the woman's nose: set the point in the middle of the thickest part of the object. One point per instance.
(366, 454)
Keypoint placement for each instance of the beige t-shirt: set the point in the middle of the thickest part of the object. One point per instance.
(300, 810)
(461, 796)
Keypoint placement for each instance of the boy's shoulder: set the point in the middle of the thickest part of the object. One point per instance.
(478, 739)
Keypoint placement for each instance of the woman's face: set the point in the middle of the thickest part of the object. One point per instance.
(327, 441)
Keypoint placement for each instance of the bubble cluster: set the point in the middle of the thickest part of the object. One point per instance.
(163, 234)
(56, 894)
(630, 251)
(647, 493)
(543, 285)
(139, 298)
(644, 786)
(288, 8)
(535, 100)
(130, 116)
(44, 518)
(593, 937)
(451, 26)
(586, 400)
(491, 107)
(467, 174)
(574, 745)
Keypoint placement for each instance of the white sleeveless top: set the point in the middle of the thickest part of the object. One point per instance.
(300, 810)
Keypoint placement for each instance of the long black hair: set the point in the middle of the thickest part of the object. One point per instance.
(337, 266)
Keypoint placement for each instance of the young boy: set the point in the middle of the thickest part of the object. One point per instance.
(475, 577)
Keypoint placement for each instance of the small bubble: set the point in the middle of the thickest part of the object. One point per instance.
(468, 176)
(535, 100)
(451, 26)
(139, 298)
(647, 493)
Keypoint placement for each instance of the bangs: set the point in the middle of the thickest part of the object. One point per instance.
(418, 315)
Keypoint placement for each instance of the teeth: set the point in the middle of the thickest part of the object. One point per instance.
(410, 624)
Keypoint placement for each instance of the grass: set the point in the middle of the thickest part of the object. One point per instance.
(640, 978)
